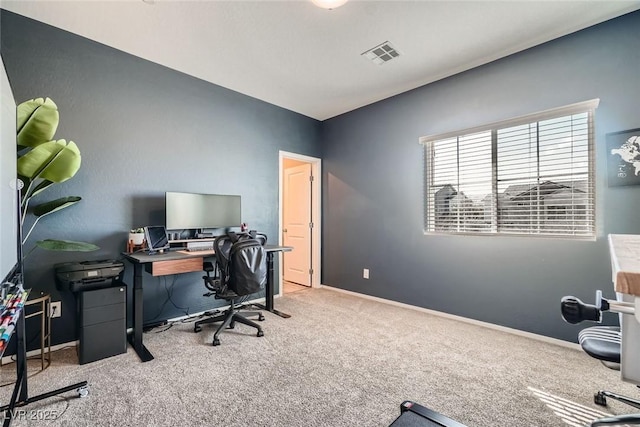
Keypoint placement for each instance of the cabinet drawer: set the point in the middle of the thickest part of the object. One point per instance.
(101, 297)
(162, 268)
(106, 313)
(102, 340)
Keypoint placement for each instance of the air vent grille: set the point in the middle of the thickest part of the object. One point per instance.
(382, 53)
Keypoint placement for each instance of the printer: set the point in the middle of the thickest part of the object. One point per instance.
(88, 275)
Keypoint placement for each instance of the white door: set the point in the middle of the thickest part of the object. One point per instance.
(296, 220)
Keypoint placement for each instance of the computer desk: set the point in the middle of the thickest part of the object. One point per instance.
(179, 262)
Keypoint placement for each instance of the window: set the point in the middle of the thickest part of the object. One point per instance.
(532, 175)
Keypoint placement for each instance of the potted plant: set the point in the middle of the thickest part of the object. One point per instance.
(136, 236)
(43, 162)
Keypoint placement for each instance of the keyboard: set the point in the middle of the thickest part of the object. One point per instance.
(199, 249)
(200, 246)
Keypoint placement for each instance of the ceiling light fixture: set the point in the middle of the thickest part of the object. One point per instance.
(329, 4)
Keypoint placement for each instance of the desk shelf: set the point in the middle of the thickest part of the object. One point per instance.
(207, 239)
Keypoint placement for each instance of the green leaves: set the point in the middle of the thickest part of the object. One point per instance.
(55, 161)
(66, 245)
(41, 187)
(43, 162)
(55, 205)
(47, 208)
(37, 121)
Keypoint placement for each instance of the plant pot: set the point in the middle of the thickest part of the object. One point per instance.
(136, 238)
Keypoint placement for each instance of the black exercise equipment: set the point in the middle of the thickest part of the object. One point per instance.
(415, 415)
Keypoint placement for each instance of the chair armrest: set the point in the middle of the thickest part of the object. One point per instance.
(211, 283)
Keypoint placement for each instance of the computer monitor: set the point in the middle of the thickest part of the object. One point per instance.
(157, 239)
(202, 211)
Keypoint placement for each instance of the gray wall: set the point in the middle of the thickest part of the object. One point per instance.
(373, 187)
(144, 129)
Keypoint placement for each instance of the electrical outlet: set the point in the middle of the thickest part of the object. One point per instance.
(56, 309)
(365, 273)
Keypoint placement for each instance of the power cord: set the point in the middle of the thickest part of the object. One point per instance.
(190, 319)
(170, 294)
(169, 288)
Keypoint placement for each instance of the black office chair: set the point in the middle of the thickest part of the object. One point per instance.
(235, 277)
(602, 343)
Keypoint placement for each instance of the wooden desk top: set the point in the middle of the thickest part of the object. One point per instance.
(625, 262)
(144, 257)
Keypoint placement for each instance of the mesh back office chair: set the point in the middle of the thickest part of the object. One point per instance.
(224, 273)
(602, 343)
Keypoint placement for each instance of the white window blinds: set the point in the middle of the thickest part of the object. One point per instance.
(531, 175)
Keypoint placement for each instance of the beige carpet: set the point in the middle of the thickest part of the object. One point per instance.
(339, 360)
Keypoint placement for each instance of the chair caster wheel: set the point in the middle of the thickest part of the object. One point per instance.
(83, 391)
(260, 334)
(231, 326)
(600, 399)
(216, 342)
(197, 329)
(260, 318)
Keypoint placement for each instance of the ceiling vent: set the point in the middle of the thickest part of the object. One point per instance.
(382, 53)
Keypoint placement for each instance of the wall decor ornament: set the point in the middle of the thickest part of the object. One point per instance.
(623, 158)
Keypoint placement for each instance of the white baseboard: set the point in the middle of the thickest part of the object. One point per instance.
(531, 335)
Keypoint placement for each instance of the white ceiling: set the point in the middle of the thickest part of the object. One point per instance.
(308, 60)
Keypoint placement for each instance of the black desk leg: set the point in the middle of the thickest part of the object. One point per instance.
(136, 338)
(269, 291)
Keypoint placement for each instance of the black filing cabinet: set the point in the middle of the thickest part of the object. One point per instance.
(102, 323)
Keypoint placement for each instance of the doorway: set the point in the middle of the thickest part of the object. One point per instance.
(300, 192)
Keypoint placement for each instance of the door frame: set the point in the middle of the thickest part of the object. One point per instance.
(316, 214)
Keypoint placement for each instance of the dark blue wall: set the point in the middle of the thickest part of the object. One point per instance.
(373, 187)
(144, 129)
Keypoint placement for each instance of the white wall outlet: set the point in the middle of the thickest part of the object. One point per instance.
(365, 273)
(56, 309)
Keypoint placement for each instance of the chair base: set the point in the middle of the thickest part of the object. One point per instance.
(633, 419)
(600, 398)
(229, 319)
